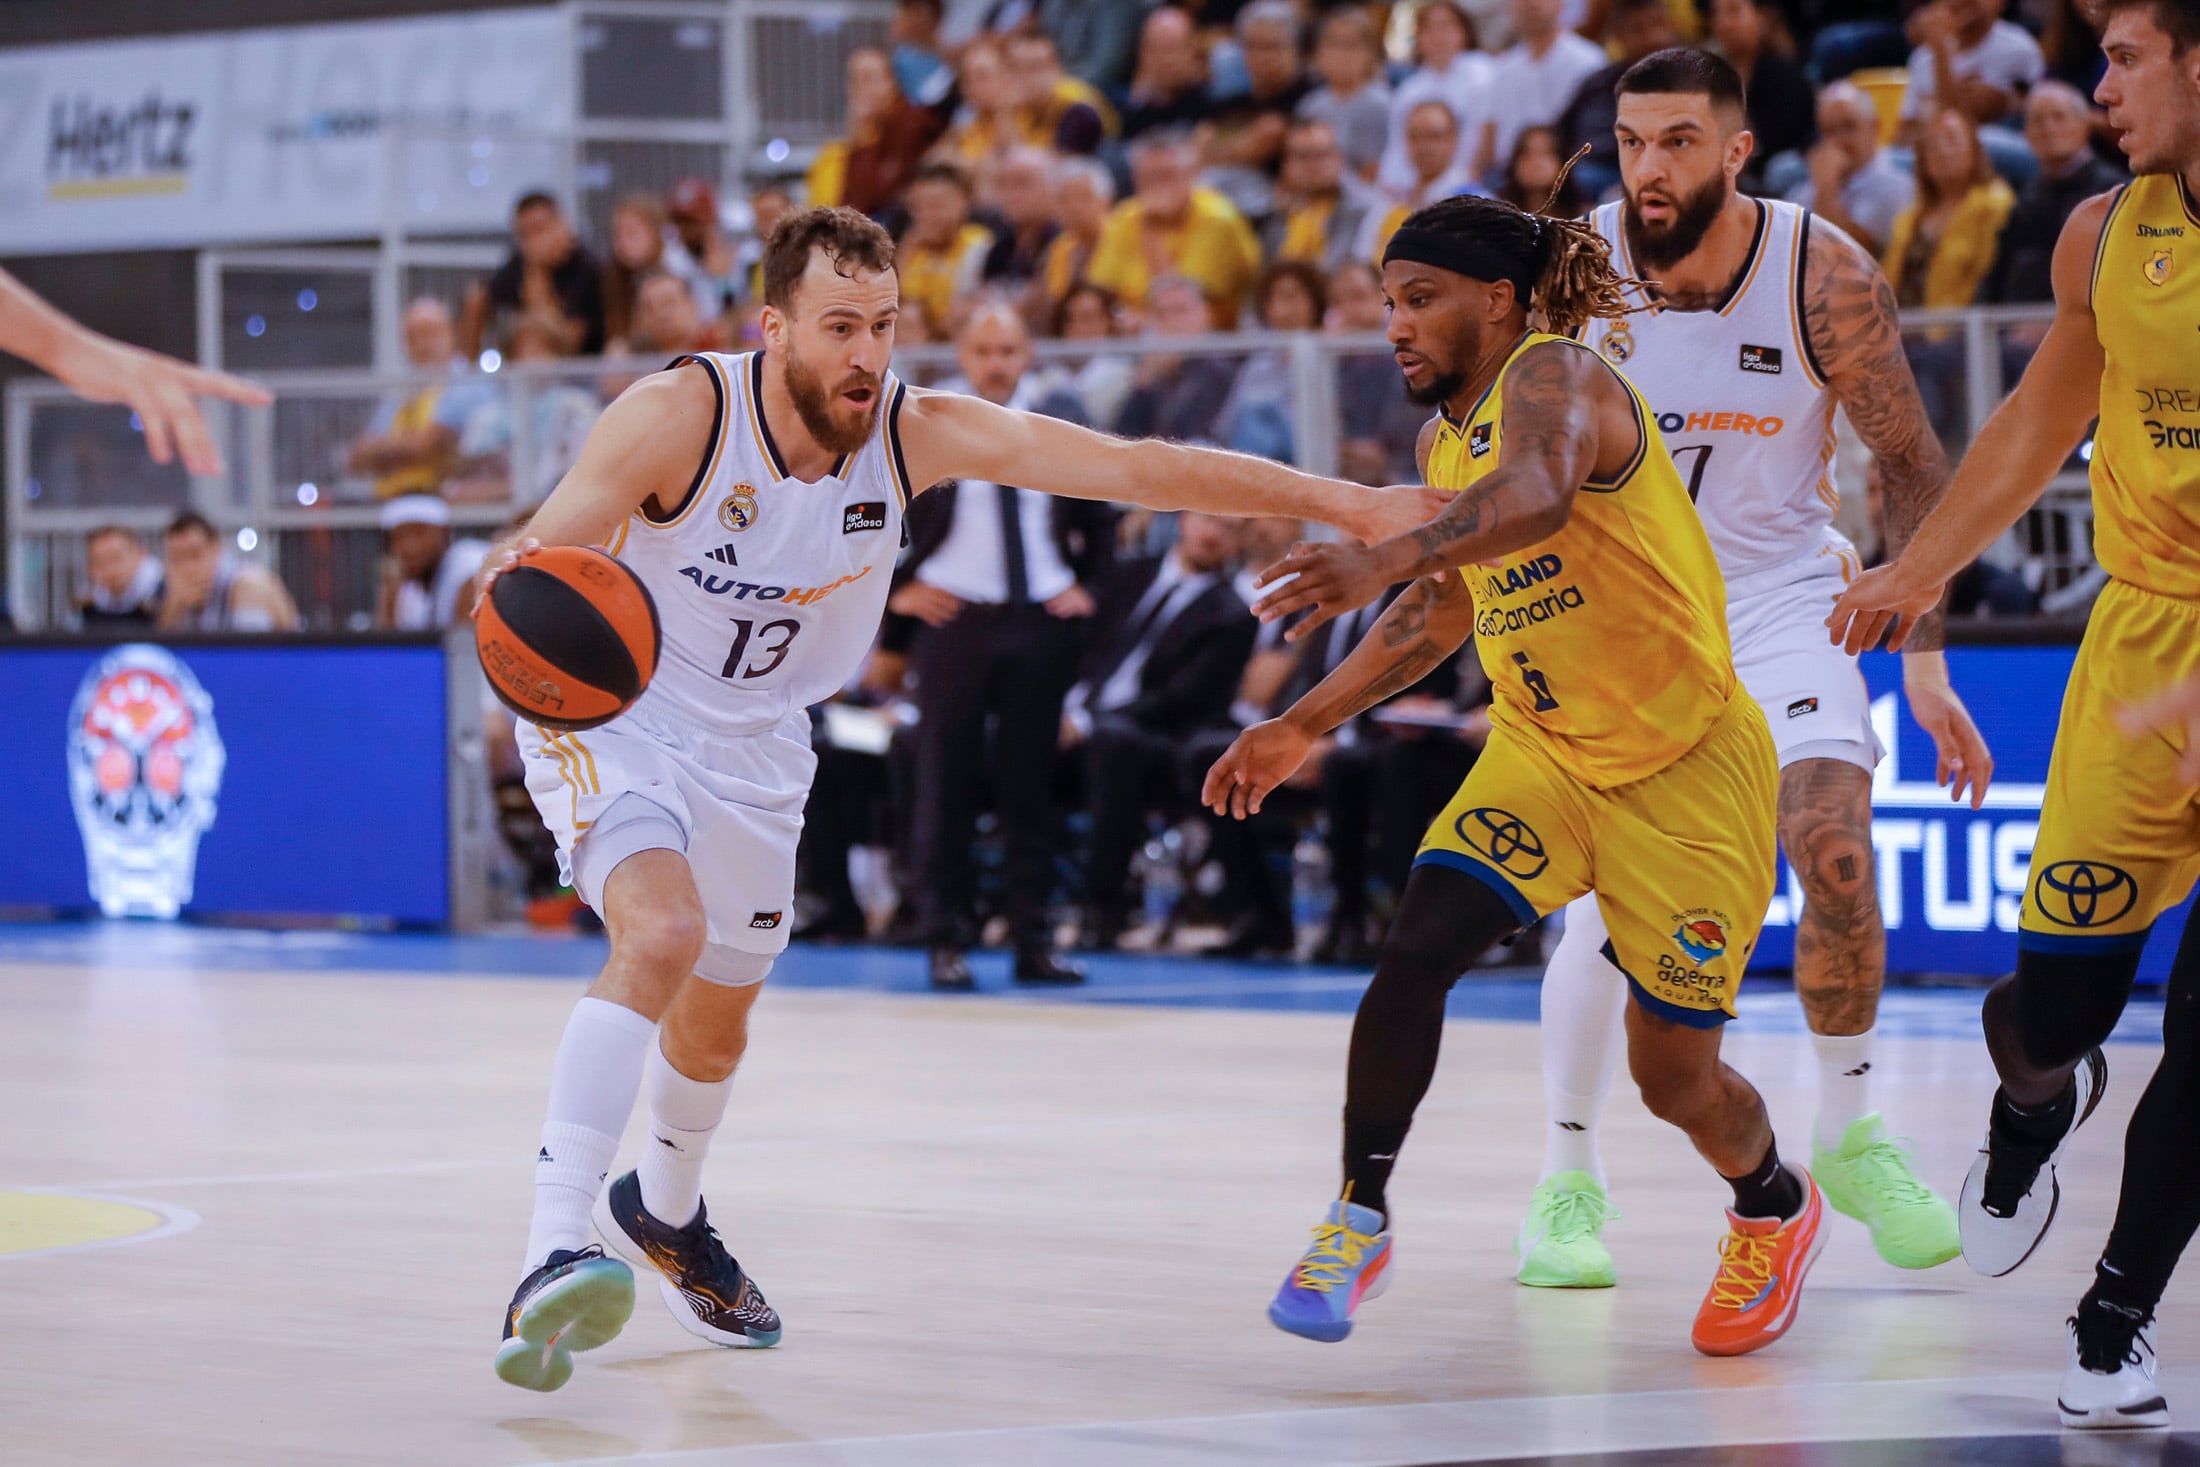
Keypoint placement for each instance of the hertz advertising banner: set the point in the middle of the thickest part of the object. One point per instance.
(273, 136)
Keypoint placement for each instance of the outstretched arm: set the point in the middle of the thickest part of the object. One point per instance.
(947, 435)
(1856, 337)
(1558, 400)
(1428, 622)
(162, 391)
(2009, 463)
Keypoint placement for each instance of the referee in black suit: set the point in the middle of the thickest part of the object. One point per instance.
(997, 577)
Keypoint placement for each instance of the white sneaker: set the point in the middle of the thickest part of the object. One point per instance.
(2010, 1195)
(2110, 1383)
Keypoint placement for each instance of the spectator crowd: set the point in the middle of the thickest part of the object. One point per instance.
(1078, 170)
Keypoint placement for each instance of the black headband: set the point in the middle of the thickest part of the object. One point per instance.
(1465, 254)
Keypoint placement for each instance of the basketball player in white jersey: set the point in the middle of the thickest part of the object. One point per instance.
(1758, 323)
(760, 498)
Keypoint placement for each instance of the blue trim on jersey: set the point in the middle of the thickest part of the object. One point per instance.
(1485, 873)
(2080, 943)
(710, 445)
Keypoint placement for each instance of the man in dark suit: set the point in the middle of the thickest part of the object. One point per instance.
(1172, 637)
(997, 577)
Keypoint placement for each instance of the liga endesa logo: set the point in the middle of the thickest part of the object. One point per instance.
(145, 768)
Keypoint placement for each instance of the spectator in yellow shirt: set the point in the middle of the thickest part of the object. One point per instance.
(1059, 111)
(1321, 209)
(1084, 192)
(1170, 225)
(942, 254)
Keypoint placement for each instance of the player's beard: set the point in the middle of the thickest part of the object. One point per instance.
(1441, 388)
(814, 405)
(1693, 216)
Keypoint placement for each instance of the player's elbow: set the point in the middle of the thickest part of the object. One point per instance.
(1550, 513)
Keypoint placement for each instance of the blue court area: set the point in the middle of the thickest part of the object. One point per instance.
(1502, 995)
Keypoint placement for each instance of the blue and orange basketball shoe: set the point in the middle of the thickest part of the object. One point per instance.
(1762, 1264)
(1349, 1263)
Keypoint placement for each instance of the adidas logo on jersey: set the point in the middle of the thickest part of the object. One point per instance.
(723, 555)
(1761, 359)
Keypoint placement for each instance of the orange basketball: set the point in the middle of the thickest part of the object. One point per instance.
(568, 637)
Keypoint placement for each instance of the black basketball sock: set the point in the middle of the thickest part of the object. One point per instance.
(1370, 1151)
(1770, 1190)
(2041, 1126)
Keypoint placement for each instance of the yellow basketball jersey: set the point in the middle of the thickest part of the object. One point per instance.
(2146, 453)
(1607, 642)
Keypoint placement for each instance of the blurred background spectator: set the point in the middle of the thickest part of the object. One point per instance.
(1751, 35)
(1256, 418)
(887, 136)
(2058, 127)
(412, 437)
(1639, 27)
(1056, 110)
(1352, 98)
(1169, 641)
(941, 256)
(427, 577)
(638, 247)
(999, 580)
(1178, 394)
(920, 64)
(1967, 58)
(666, 323)
(706, 259)
(1536, 79)
(1242, 150)
(1532, 171)
(1083, 194)
(1853, 182)
(1169, 88)
(1942, 247)
(550, 277)
(121, 590)
(1101, 383)
(207, 589)
(1448, 69)
(1172, 225)
(1322, 210)
(1023, 197)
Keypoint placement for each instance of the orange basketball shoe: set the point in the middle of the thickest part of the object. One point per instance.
(1762, 1262)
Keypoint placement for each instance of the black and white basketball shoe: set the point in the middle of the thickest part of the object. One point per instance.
(2110, 1382)
(574, 1301)
(709, 1293)
(2010, 1196)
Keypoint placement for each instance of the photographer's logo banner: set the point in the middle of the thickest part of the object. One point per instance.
(145, 772)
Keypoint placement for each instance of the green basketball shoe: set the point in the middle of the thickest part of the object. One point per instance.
(1869, 1179)
(1558, 1246)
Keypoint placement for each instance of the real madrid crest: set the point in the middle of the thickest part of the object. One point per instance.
(1619, 341)
(739, 510)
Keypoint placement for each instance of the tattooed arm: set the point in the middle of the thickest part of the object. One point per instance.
(1566, 416)
(1855, 335)
(1856, 338)
(1428, 622)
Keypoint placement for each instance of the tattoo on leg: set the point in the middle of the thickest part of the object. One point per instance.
(1840, 943)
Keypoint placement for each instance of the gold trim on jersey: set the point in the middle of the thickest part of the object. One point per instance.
(711, 457)
(616, 542)
(1756, 258)
(753, 395)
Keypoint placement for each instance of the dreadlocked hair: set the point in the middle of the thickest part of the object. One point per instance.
(1569, 261)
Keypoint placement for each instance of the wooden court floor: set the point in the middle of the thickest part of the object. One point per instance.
(1000, 1231)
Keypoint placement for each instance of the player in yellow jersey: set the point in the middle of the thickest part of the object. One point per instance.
(1625, 758)
(2119, 837)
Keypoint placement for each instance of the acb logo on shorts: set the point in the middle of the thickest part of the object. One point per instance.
(2084, 893)
(1504, 840)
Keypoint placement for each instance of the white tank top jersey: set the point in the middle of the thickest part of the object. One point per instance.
(769, 590)
(1740, 399)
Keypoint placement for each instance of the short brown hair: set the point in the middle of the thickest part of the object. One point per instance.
(851, 241)
(2180, 19)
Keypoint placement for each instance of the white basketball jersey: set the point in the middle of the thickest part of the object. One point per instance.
(1744, 409)
(769, 590)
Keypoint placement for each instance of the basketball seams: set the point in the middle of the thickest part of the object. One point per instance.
(573, 629)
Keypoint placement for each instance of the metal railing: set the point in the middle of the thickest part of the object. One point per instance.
(289, 500)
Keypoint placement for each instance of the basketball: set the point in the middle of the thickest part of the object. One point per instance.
(568, 637)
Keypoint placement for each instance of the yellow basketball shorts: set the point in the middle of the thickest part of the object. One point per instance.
(2119, 839)
(1681, 862)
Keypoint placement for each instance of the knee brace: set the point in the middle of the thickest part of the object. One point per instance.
(730, 967)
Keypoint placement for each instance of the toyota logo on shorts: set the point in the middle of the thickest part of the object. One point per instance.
(2084, 893)
(1510, 843)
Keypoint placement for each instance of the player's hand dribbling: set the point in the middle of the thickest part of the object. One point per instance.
(1257, 760)
(1325, 581)
(497, 564)
(1964, 761)
(2175, 713)
(1876, 600)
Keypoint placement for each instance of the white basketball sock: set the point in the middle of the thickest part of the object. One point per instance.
(1844, 1083)
(683, 1116)
(592, 1087)
(1584, 1018)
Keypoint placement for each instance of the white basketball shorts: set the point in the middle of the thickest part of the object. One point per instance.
(731, 804)
(1812, 693)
